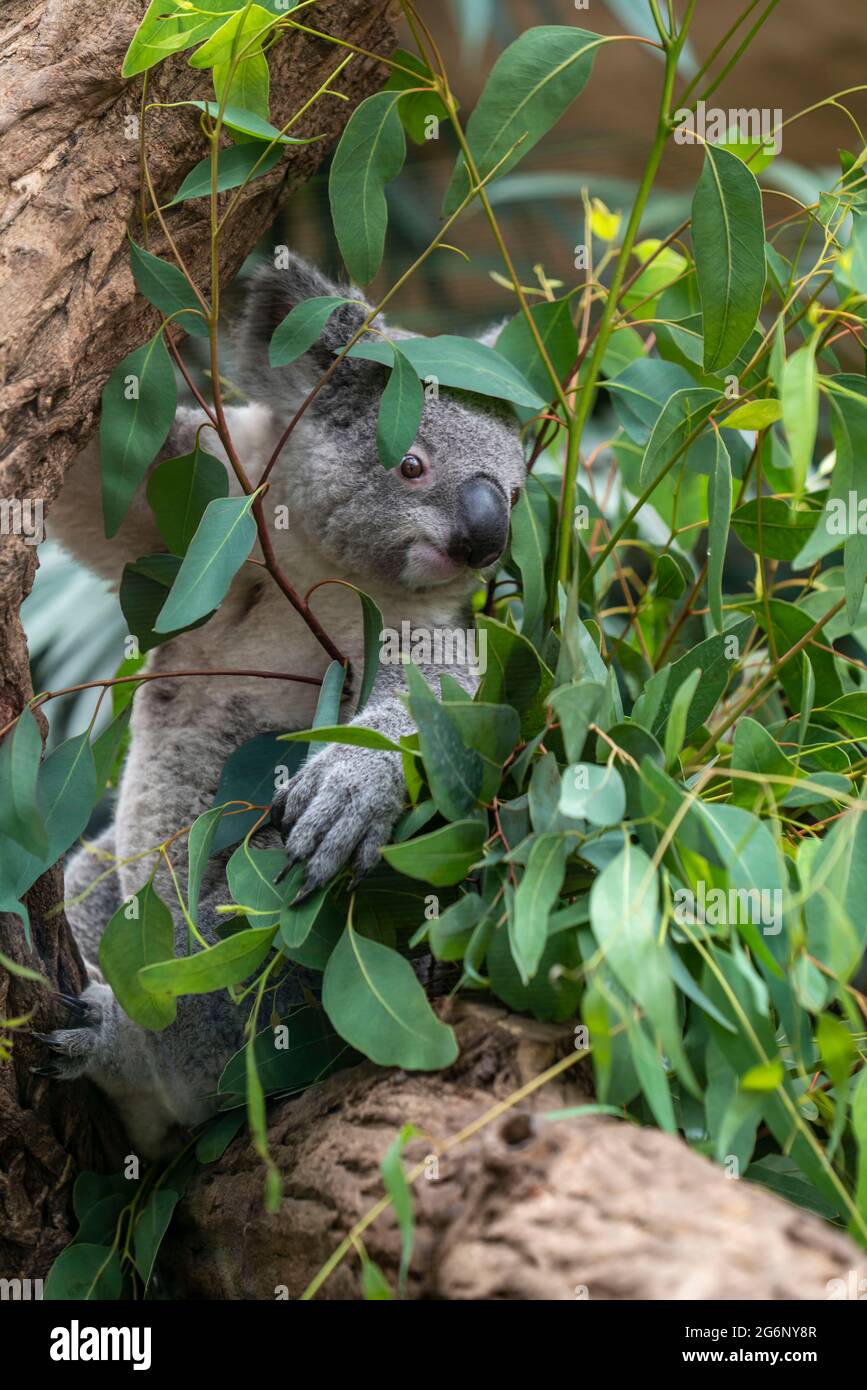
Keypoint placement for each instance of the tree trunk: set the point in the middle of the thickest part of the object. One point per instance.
(524, 1208)
(69, 312)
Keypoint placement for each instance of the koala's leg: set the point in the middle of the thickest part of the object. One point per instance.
(92, 895)
(162, 1083)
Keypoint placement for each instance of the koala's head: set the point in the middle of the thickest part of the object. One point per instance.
(442, 513)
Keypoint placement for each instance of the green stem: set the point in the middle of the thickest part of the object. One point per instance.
(578, 418)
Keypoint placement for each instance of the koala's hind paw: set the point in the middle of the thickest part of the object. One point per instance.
(341, 806)
(73, 1049)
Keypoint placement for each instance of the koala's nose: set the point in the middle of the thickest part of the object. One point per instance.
(482, 524)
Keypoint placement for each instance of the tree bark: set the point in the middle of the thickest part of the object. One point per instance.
(525, 1208)
(69, 312)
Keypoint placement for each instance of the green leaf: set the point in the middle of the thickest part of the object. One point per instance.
(150, 1229)
(66, 792)
(417, 107)
(753, 415)
(529, 88)
(454, 771)
(400, 1192)
(227, 963)
(250, 773)
(375, 1002)
(144, 588)
(107, 748)
(400, 410)
(219, 1135)
(450, 933)
(719, 506)
(537, 893)
(728, 234)
(790, 625)
(169, 290)
(248, 23)
(221, 544)
(301, 328)
(248, 123)
(355, 735)
(140, 932)
(302, 1049)
(557, 331)
(251, 873)
(441, 857)
(575, 706)
(515, 674)
(755, 750)
(766, 1076)
(138, 408)
(374, 1285)
(834, 888)
(199, 843)
(179, 491)
(531, 531)
(678, 718)
(593, 793)
(20, 753)
(551, 999)
(771, 527)
(711, 657)
(296, 923)
(85, 1272)
(679, 418)
(327, 710)
(651, 1073)
(847, 398)
(235, 165)
(799, 397)
(625, 918)
(371, 153)
(859, 1127)
(461, 363)
(162, 32)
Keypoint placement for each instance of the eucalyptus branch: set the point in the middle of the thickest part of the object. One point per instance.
(579, 416)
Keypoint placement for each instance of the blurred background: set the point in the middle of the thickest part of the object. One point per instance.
(804, 53)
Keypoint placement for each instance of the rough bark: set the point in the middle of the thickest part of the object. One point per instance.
(69, 313)
(526, 1208)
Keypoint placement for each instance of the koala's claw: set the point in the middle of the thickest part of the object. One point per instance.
(339, 808)
(79, 1008)
(73, 1047)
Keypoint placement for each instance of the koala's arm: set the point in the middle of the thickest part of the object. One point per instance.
(76, 518)
(343, 804)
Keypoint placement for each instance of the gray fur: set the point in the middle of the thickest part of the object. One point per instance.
(349, 519)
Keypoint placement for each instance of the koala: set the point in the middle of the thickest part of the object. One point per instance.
(415, 538)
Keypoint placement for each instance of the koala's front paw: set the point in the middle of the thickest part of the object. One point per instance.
(74, 1050)
(342, 804)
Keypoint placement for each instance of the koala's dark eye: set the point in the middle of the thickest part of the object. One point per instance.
(411, 466)
(516, 493)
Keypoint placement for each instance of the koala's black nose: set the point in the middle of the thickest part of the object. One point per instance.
(481, 526)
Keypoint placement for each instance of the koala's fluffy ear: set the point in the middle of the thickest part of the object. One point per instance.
(489, 337)
(273, 292)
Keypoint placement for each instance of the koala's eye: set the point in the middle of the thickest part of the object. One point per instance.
(411, 466)
(516, 493)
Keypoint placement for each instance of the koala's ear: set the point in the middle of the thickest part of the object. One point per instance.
(277, 289)
(489, 337)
